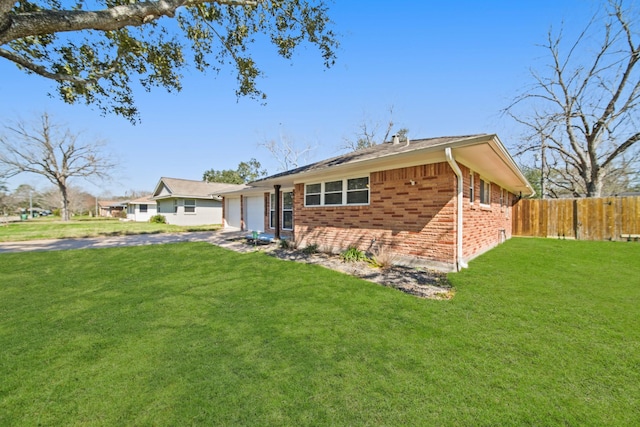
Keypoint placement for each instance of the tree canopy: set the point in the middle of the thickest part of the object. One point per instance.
(93, 51)
(245, 173)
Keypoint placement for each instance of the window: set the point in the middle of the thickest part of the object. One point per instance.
(143, 208)
(350, 191)
(333, 193)
(485, 192)
(502, 199)
(272, 211)
(175, 206)
(287, 211)
(472, 192)
(189, 205)
(312, 194)
(358, 191)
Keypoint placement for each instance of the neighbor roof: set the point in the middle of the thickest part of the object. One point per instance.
(142, 200)
(186, 188)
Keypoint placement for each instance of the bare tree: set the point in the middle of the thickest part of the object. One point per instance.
(288, 154)
(95, 50)
(369, 134)
(55, 153)
(582, 114)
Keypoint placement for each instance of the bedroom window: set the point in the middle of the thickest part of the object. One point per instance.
(313, 194)
(348, 191)
(143, 208)
(358, 191)
(189, 205)
(485, 192)
(333, 193)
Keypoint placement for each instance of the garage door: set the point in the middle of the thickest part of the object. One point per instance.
(232, 213)
(254, 213)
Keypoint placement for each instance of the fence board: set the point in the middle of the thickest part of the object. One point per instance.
(598, 218)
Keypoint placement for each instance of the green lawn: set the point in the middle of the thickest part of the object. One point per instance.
(540, 332)
(53, 228)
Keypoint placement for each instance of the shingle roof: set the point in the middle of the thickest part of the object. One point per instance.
(142, 200)
(375, 152)
(195, 189)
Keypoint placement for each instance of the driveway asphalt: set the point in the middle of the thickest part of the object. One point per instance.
(224, 239)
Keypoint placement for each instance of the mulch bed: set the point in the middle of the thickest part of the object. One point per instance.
(422, 283)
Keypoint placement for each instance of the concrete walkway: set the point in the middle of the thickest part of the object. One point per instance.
(229, 239)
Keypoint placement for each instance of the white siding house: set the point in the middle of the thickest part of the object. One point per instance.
(188, 202)
(141, 209)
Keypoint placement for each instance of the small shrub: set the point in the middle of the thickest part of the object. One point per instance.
(158, 219)
(285, 244)
(383, 258)
(311, 249)
(353, 255)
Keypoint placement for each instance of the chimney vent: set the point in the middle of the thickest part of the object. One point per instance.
(395, 139)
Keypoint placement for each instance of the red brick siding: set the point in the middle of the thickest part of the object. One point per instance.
(416, 221)
(483, 225)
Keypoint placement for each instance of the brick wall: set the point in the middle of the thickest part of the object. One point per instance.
(484, 226)
(412, 213)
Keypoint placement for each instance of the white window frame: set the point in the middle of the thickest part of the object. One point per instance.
(175, 206)
(195, 203)
(344, 192)
(285, 209)
(472, 188)
(485, 192)
(272, 208)
(146, 208)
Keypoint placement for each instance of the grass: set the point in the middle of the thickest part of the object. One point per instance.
(53, 228)
(541, 332)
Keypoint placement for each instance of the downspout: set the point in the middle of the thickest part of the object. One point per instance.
(460, 264)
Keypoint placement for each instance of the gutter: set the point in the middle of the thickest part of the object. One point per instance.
(460, 263)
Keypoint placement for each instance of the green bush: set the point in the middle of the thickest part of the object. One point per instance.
(353, 254)
(158, 219)
(311, 249)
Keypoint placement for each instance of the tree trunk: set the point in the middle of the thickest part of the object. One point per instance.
(65, 202)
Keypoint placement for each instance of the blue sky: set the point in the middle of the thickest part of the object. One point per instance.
(446, 68)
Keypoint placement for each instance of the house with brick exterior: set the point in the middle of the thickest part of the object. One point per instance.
(437, 202)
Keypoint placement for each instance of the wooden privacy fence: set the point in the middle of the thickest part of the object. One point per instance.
(598, 218)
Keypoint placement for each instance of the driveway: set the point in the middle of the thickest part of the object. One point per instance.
(225, 239)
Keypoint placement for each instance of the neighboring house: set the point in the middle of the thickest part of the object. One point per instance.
(111, 208)
(141, 209)
(188, 202)
(437, 202)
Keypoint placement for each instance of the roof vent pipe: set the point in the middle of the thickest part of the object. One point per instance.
(395, 139)
(408, 142)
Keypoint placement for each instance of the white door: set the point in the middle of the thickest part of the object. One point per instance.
(232, 213)
(254, 213)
